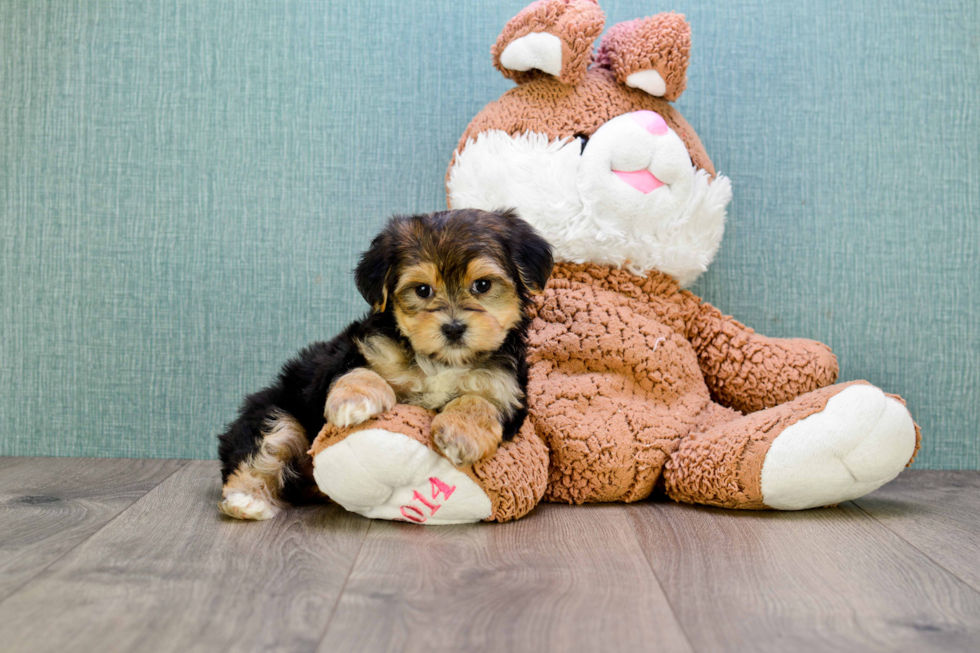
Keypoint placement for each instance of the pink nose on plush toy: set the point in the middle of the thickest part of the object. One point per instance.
(651, 121)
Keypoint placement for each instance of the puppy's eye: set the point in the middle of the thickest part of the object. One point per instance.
(423, 291)
(481, 286)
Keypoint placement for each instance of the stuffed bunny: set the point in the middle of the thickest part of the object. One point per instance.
(634, 383)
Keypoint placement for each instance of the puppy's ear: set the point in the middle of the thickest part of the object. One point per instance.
(373, 270)
(531, 253)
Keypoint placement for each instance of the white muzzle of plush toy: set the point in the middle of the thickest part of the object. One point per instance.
(635, 173)
(630, 197)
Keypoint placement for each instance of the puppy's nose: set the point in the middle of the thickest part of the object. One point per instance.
(453, 330)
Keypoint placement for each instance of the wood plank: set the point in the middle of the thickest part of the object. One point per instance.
(818, 580)
(936, 512)
(565, 578)
(50, 505)
(8, 462)
(171, 574)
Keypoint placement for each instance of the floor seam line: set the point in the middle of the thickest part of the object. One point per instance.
(343, 588)
(20, 587)
(928, 557)
(670, 604)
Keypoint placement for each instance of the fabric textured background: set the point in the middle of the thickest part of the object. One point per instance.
(185, 185)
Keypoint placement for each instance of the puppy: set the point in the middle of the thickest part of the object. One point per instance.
(449, 295)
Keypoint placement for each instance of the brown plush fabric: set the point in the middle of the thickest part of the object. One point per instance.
(742, 369)
(612, 391)
(661, 43)
(516, 476)
(577, 23)
(413, 421)
(748, 371)
(722, 466)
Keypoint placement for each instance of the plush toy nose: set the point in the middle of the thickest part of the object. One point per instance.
(453, 330)
(651, 121)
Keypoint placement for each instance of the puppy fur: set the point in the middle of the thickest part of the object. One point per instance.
(449, 295)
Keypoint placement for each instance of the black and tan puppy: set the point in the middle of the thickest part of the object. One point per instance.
(449, 294)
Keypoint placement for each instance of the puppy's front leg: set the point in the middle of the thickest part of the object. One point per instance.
(358, 396)
(467, 429)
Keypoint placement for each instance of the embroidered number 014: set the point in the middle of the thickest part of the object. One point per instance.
(415, 513)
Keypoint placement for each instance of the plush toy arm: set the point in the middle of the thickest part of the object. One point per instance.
(747, 371)
(743, 370)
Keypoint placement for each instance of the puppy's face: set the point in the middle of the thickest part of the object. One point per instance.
(455, 311)
(457, 282)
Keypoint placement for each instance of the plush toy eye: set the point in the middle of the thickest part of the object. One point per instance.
(423, 291)
(481, 286)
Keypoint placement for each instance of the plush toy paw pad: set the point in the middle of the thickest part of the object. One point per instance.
(861, 440)
(384, 475)
(244, 506)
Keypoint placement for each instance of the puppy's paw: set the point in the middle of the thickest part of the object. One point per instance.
(352, 411)
(460, 448)
(358, 396)
(242, 505)
(462, 439)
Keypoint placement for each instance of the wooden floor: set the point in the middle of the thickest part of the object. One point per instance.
(132, 555)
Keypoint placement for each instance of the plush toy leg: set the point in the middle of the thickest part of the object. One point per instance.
(827, 446)
(387, 468)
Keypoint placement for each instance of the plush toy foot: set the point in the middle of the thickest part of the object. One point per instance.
(859, 442)
(827, 446)
(241, 505)
(384, 475)
(388, 468)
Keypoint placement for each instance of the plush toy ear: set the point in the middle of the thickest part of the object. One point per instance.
(649, 54)
(531, 253)
(552, 37)
(372, 273)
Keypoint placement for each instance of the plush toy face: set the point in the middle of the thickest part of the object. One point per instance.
(588, 149)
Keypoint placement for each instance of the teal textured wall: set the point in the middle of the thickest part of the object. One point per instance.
(185, 185)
